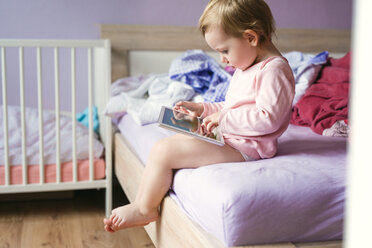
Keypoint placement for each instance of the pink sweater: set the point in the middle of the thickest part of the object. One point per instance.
(257, 107)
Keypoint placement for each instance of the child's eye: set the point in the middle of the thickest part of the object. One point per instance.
(224, 51)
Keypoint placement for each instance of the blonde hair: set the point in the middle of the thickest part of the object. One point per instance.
(236, 16)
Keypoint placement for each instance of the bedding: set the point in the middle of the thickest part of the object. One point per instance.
(199, 73)
(49, 141)
(33, 172)
(297, 196)
(144, 102)
(202, 73)
(305, 68)
(324, 106)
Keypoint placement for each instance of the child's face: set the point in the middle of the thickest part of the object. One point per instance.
(237, 52)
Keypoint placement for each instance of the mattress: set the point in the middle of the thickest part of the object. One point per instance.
(49, 148)
(297, 196)
(33, 172)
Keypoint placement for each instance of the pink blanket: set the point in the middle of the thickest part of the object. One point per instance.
(325, 103)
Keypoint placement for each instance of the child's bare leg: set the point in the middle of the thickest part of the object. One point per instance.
(174, 152)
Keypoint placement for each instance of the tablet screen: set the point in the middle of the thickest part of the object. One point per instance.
(186, 124)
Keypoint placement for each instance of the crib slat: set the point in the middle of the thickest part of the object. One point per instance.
(73, 103)
(40, 107)
(23, 119)
(38, 46)
(108, 131)
(57, 110)
(5, 113)
(90, 103)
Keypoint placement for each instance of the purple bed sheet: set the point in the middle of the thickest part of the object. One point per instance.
(297, 196)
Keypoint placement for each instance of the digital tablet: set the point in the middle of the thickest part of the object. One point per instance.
(187, 124)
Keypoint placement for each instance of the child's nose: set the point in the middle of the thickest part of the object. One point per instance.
(224, 59)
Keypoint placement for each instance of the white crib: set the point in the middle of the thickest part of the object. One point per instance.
(98, 87)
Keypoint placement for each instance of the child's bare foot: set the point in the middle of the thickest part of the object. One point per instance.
(129, 216)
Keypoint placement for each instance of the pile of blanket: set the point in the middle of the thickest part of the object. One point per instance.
(193, 76)
(202, 73)
(321, 99)
(324, 106)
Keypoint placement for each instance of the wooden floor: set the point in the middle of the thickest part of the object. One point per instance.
(75, 222)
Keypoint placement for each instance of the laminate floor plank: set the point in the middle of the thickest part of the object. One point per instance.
(70, 223)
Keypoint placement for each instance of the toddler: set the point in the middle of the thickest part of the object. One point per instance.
(255, 113)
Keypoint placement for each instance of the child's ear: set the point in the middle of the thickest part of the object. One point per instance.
(251, 36)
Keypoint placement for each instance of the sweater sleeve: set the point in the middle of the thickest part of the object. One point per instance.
(274, 92)
(211, 107)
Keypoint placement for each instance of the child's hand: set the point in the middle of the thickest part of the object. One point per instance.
(191, 123)
(210, 122)
(191, 108)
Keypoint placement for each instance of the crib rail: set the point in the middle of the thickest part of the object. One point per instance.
(98, 51)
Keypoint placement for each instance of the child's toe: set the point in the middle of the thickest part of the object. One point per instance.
(115, 220)
(107, 221)
(108, 228)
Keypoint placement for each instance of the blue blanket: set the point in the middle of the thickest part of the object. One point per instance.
(202, 73)
(83, 118)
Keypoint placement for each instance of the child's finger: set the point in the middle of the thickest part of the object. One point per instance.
(203, 129)
(211, 125)
(178, 103)
(185, 110)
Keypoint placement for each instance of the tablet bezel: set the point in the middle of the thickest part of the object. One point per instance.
(163, 124)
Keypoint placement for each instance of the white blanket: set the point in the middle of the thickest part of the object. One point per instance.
(32, 138)
(144, 103)
(306, 68)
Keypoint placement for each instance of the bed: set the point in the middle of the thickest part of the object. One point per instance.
(47, 148)
(193, 217)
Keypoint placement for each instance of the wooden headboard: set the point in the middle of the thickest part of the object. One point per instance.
(126, 38)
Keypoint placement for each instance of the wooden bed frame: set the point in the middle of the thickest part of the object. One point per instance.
(174, 228)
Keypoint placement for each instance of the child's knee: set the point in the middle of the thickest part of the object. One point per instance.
(161, 150)
(160, 146)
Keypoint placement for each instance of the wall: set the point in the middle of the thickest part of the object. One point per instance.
(75, 19)
(78, 19)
